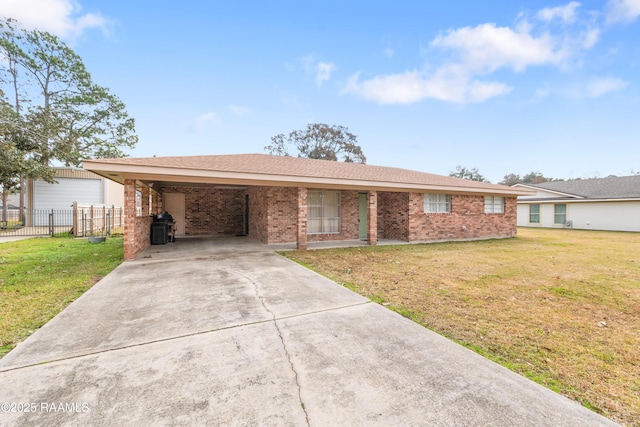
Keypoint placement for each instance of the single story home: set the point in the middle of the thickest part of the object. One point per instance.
(278, 199)
(611, 203)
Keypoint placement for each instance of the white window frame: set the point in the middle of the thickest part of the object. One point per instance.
(494, 204)
(534, 213)
(437, 203)
(556, 215)
(324, 223)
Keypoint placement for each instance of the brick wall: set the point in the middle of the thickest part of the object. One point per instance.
(273, 215)
(137, 229)
(156, 203)
(129, 219)
(372, 218)
(282, 215)
(212, 212)
(143, 233)
(302, 218)
(466, 220)
(393, 216)
(258, 212)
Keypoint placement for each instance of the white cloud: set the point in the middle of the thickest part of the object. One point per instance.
(598, 87)
(238, 110)
(204, 120)
(473, 52)
(480, 91)
(412, 86)
(320, 70)
(486, 48)
(323, 72)
(565, 13)
(622, 11)
(590, 38)
(470, 54)
(60, 17)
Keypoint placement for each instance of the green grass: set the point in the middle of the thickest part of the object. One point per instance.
(39, 277)
(561, 307)
(11, 224)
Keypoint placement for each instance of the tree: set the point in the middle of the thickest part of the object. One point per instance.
(14, 160)
(530, 178)
(465, 173)
(535, 178)
(511, 179)
(319, 141)
(60, 113)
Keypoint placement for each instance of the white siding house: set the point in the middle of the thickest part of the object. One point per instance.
(590, 204)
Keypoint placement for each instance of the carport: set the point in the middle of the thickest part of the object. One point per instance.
(284, 200)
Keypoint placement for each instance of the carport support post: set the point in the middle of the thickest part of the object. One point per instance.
(302, 218)
(157, 203)
(129, 219)
(145, 200)
(372, 214)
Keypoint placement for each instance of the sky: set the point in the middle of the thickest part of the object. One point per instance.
(502, 86)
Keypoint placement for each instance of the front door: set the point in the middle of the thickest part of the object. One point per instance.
(363, 216)
(174, 204)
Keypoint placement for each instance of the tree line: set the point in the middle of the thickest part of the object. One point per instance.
(533, 177)
(509, 179)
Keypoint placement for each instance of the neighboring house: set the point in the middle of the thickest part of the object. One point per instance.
(591, 204)
(296, 200)
(72, 185)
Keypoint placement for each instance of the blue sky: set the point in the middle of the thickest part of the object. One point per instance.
(502, 86)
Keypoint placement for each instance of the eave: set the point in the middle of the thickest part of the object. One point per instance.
(168, 176)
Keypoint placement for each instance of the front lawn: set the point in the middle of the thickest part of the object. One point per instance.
(561, 307)
(39, 277)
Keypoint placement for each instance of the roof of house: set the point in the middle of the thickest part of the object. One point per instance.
(265, 169)
(613, 187)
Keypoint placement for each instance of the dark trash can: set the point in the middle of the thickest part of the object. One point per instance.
(159, 233)
(162, 229)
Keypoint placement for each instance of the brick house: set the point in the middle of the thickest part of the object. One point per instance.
(295, 200)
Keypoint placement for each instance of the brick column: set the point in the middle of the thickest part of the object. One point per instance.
(159, 203)
(372, 216)
(145, 200)
(302, 218)
(154, 202)
(129, 219)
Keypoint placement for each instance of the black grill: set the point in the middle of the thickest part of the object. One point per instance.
(162, 229)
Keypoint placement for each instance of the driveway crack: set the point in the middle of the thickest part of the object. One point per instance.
(284, 345)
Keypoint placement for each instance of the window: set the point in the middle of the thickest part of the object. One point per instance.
(323, 212)
(437, 203)
(493, 204)
(559, 214)
(534, 214)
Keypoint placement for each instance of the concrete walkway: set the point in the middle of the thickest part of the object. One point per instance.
(226, 332)
(8, 239)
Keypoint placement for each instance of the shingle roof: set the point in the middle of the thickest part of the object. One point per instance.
(269, 165)
(598, 188)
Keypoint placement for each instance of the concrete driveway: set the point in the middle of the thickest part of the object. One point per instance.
(226, 332)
